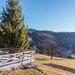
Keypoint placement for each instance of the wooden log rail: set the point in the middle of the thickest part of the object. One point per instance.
(9, 61)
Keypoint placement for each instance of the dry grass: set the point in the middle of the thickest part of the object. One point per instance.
(22, 72)
(61, 66)
(41, 60)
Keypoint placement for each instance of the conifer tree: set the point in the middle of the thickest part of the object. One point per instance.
(14, 33)
(23, 39)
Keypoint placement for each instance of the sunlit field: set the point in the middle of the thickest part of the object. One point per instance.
(57, 66)
(46, 66)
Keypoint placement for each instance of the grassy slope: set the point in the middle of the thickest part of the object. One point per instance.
(41, 60)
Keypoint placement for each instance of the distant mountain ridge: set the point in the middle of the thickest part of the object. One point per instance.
(62, 39)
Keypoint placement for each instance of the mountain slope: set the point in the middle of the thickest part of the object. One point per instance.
(63, 39)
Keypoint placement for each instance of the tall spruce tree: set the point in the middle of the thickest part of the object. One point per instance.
(12, 29)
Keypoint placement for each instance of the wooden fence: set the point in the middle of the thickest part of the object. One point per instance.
(9, 61)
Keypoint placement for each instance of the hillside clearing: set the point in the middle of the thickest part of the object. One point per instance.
(57, 66)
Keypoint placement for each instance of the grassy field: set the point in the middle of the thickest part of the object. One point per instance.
(46, 66)
(57, 66)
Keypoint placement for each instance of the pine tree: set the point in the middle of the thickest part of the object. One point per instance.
(23, 39)
(12, 28)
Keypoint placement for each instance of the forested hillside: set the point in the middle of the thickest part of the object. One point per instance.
(60, 39)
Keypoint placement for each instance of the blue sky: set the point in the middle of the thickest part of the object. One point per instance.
(53, 15)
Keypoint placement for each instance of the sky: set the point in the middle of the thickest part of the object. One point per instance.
(52, 15)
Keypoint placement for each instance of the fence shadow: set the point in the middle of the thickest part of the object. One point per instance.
(61, 67)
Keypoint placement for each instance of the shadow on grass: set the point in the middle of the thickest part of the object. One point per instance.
(61, 67)
(42, 59)
(45, 59)
(59, 59)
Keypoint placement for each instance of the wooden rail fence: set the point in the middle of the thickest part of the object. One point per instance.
(9, 61)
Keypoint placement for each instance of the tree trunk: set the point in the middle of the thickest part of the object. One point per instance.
(51, 54)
